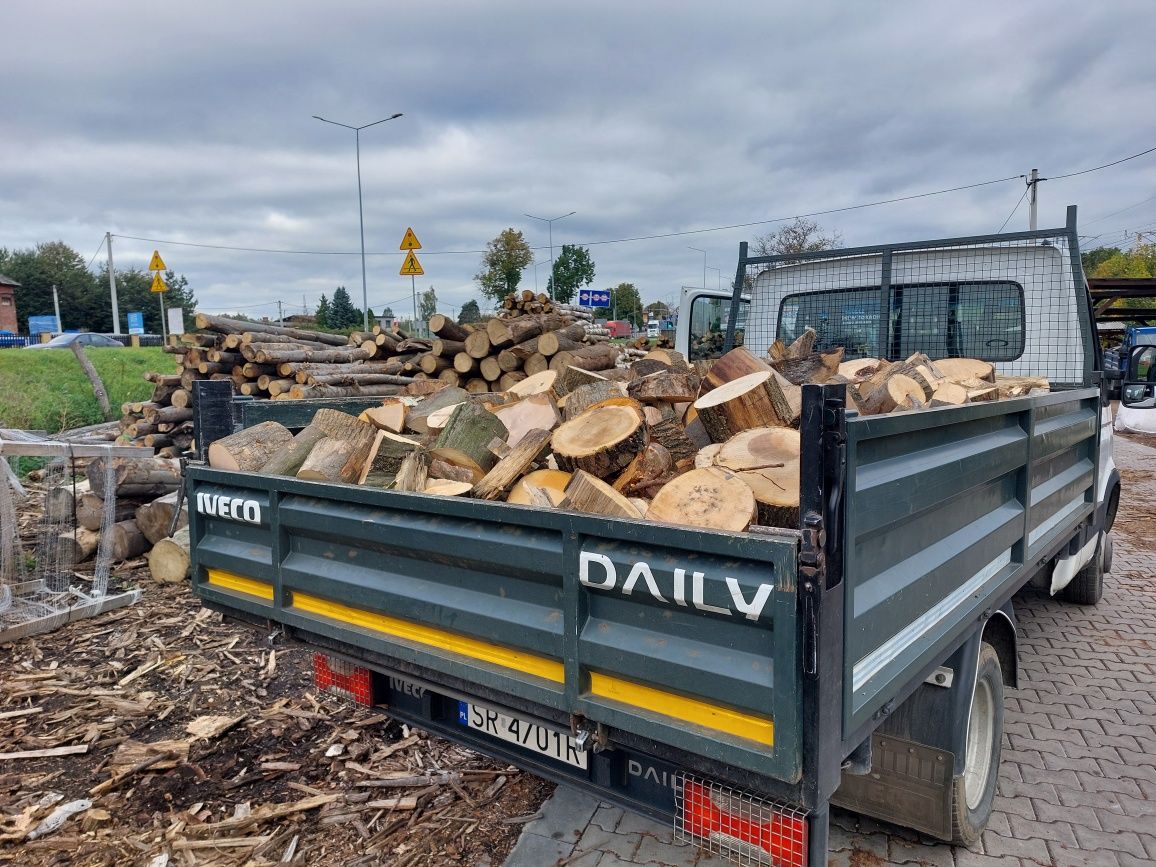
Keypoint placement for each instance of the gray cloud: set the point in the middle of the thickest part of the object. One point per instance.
(194, 124)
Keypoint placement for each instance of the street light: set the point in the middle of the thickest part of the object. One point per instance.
(536, 264)
(550, 222)
(697, 250)
(718, 271)
(360, 211)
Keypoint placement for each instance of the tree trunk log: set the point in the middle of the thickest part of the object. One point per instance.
(536, 363)
(169, 559)
(326, 460)
(250, 449)
(671, 435)
(585, 396)
(168, 414)
(385, 457)
(710, 498)
(315, 356)
(447, 348)
(478, 345)
(507, 332)
(135, 477)
(62, 502)
(490, 369)
(77, 545)
(94, 379)
(601, 441)
(445, 327)
(600, 357)
(751, 401)
(154, 519)
(127, 541)
(510, 468)
(568, 338)
(665, 385)
(817, 367)
(90, 510)
(235, 326)
(511, 379)
(465, 364)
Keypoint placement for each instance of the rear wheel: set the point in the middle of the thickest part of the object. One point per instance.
(1088, 585)
(974, 789)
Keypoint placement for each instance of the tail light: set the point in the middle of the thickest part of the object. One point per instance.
(748, 829)
(338, 677)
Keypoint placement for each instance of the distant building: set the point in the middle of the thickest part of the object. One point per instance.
(8, 288)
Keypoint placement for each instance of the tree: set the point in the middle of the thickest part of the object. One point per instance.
(387, 314)
(572, 269)
(657, 310)
(505, 258)
(625, 303)
(342, 313)
(134, 294)
(1092, 259)
(799, 236)
(427, 304)
(321, 317)
(470, 312)
(1140, 261)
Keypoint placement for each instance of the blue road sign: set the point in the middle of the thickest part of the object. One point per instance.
(136, 323)
(40, 324)
(594, 298)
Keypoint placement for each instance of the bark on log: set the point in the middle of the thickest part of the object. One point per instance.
(465, 364)
(751, 401)
(77, 545)
(601, 441)
(94, 379)
(127, 541)
(737, 363)
(168, 414)
(235, 326)
(767, 461)
(568, 338)
(653, 462)
(507, 332)
(570, 378)
(585, 396)
(250, 337)
(275, 355)
(817, 367)
(681, 447)
(514, 357)
(588, 493)
(669, 386)
(450, 377)
(169, 559)
(445, 327)
(326, 460)
(600, 357)
(466, 438)
(250, 449)
(154, 519)
(489, 368)
(300, 392)
(896, 390)
(62, 502)
(90, 510)
(414, 471)
(359, 434)
(134, 477)
(711, 498)
(416, 419)
(385, 457)
(447, 348)
(510, 468)
(287, 460)
(433, 364)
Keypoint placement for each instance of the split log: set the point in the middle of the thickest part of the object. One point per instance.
(169, 558)
(653, 462)
(250, 449)
(465, 440)
(897, 390)
(416, 418)
(422, 388)
(326, 460)
(413, 473)
(521, 417)
(127, 541)
(539, 383)
(435, 421)
(949, 394)
(445, 327)
(767, 461)
(965, 368)
(358, 434)
(711, 498)
(817, 367)
(601, 441)
(552, 482)
(737, 363)
(154, 519)
(671, 435)
(446, 487)
(511, 467)
(664, 385)
(389, 416)
(859, 370)
(755, 400)
(77, 545)
(134, 477)
(439, 469)
(385, 458)
(601, 357)
(287, 459)
(588, 493)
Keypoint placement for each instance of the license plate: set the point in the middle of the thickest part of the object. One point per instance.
(526, 734)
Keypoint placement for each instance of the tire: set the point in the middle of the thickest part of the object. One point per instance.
(1087, 586)
(973, 791)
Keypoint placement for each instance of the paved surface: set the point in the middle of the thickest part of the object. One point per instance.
(1078, 779)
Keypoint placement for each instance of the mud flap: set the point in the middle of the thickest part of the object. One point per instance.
(909, 784)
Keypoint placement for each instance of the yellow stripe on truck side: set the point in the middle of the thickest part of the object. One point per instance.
(682, 708)
(238, 584)
(438, 639)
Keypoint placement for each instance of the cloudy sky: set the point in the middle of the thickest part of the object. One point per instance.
(192, 122)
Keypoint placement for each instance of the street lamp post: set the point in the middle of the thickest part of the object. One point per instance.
(718, 272)
(697, 250)
(549, 221)
(360, 210)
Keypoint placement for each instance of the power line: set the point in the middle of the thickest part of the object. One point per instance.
(1023, 195)
(1122, 210)
(94, 255)
(1104, 166)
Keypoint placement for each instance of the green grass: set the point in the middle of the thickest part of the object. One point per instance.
(47, 390)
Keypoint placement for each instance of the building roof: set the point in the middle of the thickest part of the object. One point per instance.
(7, 281)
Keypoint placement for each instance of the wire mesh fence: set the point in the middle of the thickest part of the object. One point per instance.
(1016, 300)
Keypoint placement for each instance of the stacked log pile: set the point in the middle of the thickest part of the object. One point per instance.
(145, 498)
(655, 441)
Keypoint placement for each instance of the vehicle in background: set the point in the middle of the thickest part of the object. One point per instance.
(1137, 411)
(85, 338)
(620, 328)
(1116, 358)
(652, 328)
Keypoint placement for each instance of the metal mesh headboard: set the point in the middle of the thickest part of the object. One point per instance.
(1016, 299)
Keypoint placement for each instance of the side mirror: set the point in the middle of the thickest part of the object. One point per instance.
(1139, 390)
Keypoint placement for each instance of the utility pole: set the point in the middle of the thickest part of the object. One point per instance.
(1033, 183)
(280, 315)
(111, 287)
(56, 304)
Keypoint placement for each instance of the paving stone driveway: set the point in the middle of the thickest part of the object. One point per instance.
(1078, 779)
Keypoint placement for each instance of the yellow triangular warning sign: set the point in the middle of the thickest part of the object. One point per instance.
(156, 263)
(411, 267)
(158, 284)
(410, 241)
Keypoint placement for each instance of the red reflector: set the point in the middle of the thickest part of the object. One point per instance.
(338, 677)
(730, 822)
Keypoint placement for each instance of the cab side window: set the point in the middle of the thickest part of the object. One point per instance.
(708, 326)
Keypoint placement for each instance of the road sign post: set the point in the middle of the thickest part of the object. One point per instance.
(156, 265)
(411, 266)
(594, 297)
